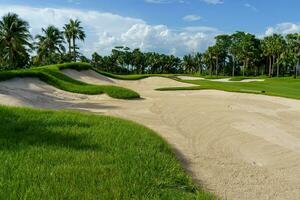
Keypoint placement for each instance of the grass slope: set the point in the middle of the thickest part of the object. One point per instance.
(67, 155)
(52, 75)
(283, 87)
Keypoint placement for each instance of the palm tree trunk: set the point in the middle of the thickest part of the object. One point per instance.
(270, 66)
(233, 67)
(274, 59)
(70, 46)
(296, 69)
(217, 65)
(74, 49)
(244, 66)
(277, 64)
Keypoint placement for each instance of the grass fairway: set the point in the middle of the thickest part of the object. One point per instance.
(52, 75)
(283, 87)
(68, 155)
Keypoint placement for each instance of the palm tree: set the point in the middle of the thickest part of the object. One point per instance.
(199, 62)
(273, 46)
(14, 41)
(74, 31)
(208, 59)
(68, 36)
(50, 44)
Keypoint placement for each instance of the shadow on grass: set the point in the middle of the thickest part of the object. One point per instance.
(17, 133)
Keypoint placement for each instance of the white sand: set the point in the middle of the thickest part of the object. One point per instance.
(243, 81)
(190, 78)
(239, 146)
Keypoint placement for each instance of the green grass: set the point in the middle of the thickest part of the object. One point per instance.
(133, 77)
(124, 77)
(241, 78)
(68, 155)
(283, 87)
(51, 74)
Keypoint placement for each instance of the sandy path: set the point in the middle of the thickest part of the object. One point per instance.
(240, 146)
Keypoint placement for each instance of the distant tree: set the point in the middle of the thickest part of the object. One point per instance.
(96, 59)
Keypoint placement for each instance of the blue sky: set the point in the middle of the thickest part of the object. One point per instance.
(168, 26)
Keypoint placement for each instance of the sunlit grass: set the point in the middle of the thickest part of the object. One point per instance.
(68, 155)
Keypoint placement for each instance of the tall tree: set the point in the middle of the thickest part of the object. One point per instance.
(76, 32)
(14, 41)
(272, 47)
(208, 58)
(199, 62)
(244, 46)
(223, 42)
(293, 44)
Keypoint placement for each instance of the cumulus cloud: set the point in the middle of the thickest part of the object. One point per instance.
(283, 28)
(191, 18)
(106, 30)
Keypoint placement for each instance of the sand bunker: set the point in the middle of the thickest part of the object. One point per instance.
(242, 81)
(240, 146)
(88, 76)
(190, 78)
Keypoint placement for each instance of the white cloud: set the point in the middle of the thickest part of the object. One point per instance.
(283, 28)
(248, 5)
(164, 1)
(157, 1)
(191, 18)
(106, 30)
(215, 2)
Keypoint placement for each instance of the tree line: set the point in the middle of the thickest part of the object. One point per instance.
(236, 54)
(17, 45)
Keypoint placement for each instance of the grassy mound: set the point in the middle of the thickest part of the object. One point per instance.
(67, 155)
(51, 74)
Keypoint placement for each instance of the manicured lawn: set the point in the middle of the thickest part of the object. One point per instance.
(283, 87)
(68, 155)
(52, 75)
